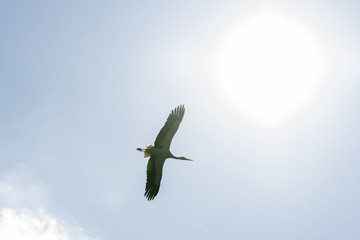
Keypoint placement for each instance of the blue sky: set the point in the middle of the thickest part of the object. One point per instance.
(84, 83)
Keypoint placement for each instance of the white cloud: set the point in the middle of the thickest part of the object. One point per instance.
(29, 225)
(23, 215)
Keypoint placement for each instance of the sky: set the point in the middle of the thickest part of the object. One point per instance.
(84, 83)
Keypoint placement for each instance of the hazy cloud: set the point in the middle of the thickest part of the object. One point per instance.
(18, 190)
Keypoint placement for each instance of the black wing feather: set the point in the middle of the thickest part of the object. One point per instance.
(168, 131)
(154, 174)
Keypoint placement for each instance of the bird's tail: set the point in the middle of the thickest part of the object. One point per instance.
(146, 150)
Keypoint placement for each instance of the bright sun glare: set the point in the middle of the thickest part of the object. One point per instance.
(269, 66)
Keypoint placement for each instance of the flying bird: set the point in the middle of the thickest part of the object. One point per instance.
(161, 151)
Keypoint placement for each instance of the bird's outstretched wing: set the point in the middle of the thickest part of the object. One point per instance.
(168, 131)
(154, 174)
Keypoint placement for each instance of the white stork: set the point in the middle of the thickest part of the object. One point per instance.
(161, 151)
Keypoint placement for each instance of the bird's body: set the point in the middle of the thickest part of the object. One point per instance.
(161, 151)
(150, 150)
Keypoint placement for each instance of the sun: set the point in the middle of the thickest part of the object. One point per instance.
(268, 66)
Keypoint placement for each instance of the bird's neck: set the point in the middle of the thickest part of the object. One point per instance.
(181, 158)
